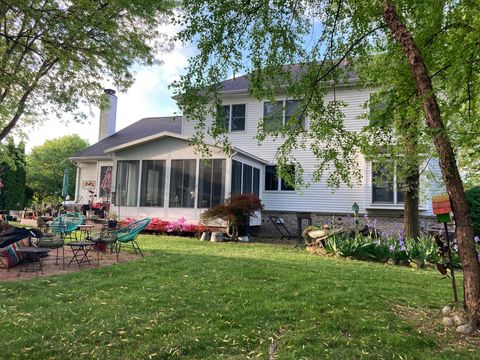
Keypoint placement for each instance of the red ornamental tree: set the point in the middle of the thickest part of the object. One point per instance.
(235, 210)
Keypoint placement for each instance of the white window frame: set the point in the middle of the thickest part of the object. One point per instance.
(230, 118)
(284, 111)
(279, 185)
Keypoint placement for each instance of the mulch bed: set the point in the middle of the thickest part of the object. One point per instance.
(50, 268)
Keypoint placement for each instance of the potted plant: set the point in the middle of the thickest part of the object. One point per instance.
(236, 211)
(112, 219)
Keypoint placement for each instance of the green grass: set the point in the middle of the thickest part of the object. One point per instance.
(198, 300)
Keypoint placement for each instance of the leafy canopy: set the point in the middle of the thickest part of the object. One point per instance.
(56, 55)
(304, 49)
(47, 162)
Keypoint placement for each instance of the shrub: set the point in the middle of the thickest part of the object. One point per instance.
(473, 199)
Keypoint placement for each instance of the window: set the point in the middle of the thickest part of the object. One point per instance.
(281, 113)
(245, 179)
(272, 180)
(182, 183)
(236, 177)
(127, 182)
(211, 186)
(385, 189)
(153, 183)
(235, 117)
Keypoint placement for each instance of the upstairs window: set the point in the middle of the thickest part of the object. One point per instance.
(235, 117)
(279, 113)
(273, 182)
(385, 187)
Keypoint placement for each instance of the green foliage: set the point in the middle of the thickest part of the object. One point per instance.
(56, 55)
(234, 211)
(13, 174)
(473, 199)
(46, 164)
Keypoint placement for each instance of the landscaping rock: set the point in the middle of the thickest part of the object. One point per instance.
(448, 321)
(447, 310)
(459, 319)
(465, 329)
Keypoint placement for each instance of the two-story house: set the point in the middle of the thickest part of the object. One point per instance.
(157, 173)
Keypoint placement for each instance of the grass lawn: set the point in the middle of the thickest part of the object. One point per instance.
(199, 300)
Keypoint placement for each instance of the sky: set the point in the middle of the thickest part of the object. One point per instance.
(148, 96)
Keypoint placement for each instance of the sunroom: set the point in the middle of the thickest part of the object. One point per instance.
(163, 176)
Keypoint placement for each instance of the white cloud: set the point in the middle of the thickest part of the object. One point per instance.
(148, 96)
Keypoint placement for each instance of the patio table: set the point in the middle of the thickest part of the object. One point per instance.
(85, 231)
(80, 250)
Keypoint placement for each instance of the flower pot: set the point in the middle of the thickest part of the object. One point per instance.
(205, 236)
(216, 237)
(112, 224)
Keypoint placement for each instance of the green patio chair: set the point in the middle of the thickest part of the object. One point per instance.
(66, 224)
(128, 234)
(61, 227)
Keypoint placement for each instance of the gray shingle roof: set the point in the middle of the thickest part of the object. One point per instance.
(242, 83)
(140, 129)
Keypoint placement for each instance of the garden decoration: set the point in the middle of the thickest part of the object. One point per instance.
(442, 208)
(356, 209)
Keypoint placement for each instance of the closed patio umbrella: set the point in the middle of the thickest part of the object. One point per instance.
(65, 184)
(107, 181)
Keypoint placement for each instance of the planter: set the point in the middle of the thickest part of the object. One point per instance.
(205, 236)
(90, 213)
(216, 237)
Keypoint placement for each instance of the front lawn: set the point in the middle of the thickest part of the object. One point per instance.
(198, 300)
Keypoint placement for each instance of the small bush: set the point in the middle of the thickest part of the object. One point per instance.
(473, 199)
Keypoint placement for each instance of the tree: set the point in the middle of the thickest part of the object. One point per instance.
(13, 176)
(55, 55)
(260, 38)
(46, 165)
(235, 210)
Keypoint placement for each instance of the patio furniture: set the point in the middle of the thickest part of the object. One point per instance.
(32, 255)
(80, 250)
(128, 234)
(62, 227)
(281, 228)
(53, 242)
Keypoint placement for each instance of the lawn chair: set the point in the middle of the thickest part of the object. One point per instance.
(62, 227)
(128, 234)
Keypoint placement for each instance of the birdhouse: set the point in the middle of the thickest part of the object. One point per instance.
(442, 207)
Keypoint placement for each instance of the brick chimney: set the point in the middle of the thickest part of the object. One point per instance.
(108, 116)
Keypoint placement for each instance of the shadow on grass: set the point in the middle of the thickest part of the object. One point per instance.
(194, 300)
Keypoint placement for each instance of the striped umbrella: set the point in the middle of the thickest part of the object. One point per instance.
(65, 184)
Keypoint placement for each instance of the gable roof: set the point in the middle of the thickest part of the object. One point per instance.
(143, 128)
(167, 134)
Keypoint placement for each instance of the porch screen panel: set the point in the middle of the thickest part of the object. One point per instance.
(256, 181)
(236, 177)
(127, 182)
(247, 179)
(182, 183)
(153, 183)
(211, 188)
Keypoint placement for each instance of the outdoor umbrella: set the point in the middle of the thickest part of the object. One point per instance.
(65, 184)
(107, 181)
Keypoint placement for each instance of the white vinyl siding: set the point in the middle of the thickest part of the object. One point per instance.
(318, 197)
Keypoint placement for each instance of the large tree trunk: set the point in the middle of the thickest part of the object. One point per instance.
(411, 227)
(448, 165)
